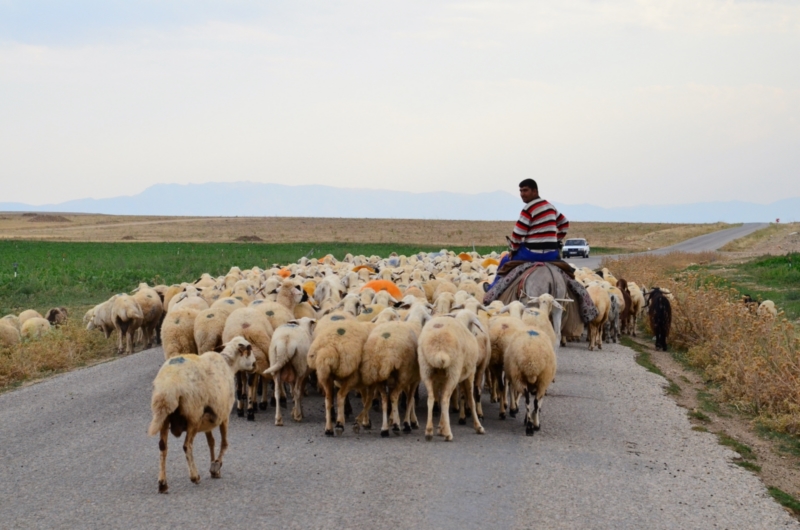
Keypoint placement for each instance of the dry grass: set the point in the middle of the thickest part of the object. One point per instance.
(754, 360)
(65, 348)
(629, 237)
(775, 239)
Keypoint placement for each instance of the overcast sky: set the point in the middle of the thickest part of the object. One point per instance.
(605, 102)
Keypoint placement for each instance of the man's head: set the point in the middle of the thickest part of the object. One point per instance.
(528, 190)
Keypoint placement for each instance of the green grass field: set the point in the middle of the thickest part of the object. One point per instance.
(775, 278)
(82, 274)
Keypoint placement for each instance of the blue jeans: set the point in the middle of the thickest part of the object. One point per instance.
(526, 254)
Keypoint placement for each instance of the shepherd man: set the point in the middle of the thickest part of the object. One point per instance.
(539, 234)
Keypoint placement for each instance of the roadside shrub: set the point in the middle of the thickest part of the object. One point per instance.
(64, 348)
(755, 360)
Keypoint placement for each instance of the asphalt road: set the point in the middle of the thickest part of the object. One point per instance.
(712, 241)
(613, 452)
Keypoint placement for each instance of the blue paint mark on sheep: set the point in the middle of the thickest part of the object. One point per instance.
(533, 333)
(337, 318)
(340, 331)
(210, 315)
(231, 302)
(386, 335)
(177, 360)
(270, 313)
(368, 310)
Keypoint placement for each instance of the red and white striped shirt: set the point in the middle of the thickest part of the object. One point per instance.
(540, 225)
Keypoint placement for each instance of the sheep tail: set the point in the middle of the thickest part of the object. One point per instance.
(163, 405)
(279, 363)
(440, 360)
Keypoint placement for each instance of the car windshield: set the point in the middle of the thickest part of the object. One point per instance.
(575, 242)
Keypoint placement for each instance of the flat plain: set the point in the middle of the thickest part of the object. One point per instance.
(619, 237)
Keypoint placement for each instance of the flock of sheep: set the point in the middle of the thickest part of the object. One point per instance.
(30, 325)
(377, 326)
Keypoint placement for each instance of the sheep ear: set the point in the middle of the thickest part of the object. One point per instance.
(219, 348)
(503, 310)
(304, 298)
(457, 308)
(295, 322)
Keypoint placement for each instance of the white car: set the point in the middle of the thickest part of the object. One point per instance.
(575, 247)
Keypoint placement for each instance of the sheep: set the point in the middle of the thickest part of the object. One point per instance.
(543, 319)
(252, 324)
(637, 306)
(12, 320)
(481, 333)
(177, 332)
(28, 313)
(210, 323)
(659, 313)
(189, 298)
(530, 366)
(195, 394)
(57, 316)
(288, 361)
(9, 335)
(335, 354)
(276, 313)
(101, 317)
(34, 328)
(152, 311)
(501, 329)
(767, 309)
(602, 301)
(127, 318)
(390, 366)
(447, 354)
(611, 327)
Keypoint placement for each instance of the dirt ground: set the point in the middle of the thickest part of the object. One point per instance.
(777, 469)
(626, 237)
(777, 239)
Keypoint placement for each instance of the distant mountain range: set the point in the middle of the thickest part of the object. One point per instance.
(247, 199)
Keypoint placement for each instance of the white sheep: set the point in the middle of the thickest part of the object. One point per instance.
(9, 334)
(34, 328)
(767, 309)
(127, 317)
(177, 332)
(28, 313)
(448, 353)
(152, 311)
(530, 366)
(195, 394)
(288, 360)
(390, 366)
(335, 354)
(252, 324)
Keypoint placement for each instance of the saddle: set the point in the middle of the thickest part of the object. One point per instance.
(511, 265)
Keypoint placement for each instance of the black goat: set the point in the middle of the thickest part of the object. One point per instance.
(659, 312)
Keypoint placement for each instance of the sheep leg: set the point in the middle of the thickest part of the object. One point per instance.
(501, 389)
(513, 404)
(327, 386)
(211, 443)
(444, 423)
(240, 394)
(162, 462)
(216, 465)
(340, 399)
(129, 341)
(367, 395)
(395, 400)
(252, 389)
(469, 385)
(478, 391)
(384, 413)
(431, 401)
(297, 397)
(528, 419)
(492, 387)
(277, 381)
(462, 413)
(411, 421)
(188, 444)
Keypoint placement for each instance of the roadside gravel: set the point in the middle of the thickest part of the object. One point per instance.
(613, 452)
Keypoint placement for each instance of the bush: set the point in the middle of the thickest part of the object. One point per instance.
(755, 360)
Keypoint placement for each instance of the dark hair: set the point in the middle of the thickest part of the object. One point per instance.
(529, 183)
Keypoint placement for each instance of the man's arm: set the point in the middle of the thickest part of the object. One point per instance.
(520, 230)
(562, 224)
